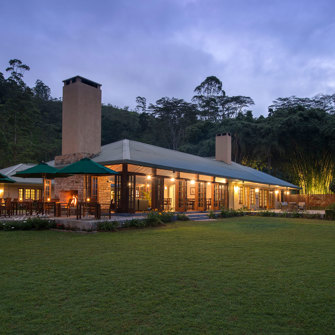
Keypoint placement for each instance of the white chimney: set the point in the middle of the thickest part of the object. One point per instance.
(223, 148)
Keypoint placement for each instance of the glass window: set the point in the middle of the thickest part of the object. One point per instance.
(38, 194)
(27, 194)
(20, 193)
(94, 188)
(32, 194)
(240, 195)
(252, 196)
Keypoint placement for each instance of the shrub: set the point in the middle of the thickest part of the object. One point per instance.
(153, 219)
(211, 215)
(182, 217)
(28, 224)
(134, 223)
(331, 206)
(228, 213)
(166, 216)
(108, 226)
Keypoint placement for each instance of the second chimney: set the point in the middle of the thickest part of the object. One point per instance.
(223, 148)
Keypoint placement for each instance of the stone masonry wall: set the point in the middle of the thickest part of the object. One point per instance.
(104, 191)
(73, 183)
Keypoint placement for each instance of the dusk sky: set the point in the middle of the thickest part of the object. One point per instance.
(262, 49)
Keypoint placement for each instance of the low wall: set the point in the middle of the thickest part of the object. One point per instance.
(313, 201)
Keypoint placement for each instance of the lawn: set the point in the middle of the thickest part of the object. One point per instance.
(246, 275)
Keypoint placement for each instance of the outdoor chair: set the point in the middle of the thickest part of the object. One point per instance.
(292, 206)
(284, 206)
(301, 206)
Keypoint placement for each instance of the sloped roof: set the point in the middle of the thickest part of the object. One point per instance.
(127, 151)
(11, 170)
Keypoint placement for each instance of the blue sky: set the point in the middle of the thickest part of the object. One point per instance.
(154, 48)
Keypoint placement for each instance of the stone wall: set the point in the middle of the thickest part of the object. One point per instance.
(313, 201)
(73, 183)
(71, 158)
(104, 192)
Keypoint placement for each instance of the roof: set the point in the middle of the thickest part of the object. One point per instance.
(86, 166)
(127, 151)
(11, 170)
(84, 80)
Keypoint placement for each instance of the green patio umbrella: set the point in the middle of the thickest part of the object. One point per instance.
(5, 180)
(41, 170)
(85, 167)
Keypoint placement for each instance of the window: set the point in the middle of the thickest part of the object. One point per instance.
(240, 195)
(20, 193)
(38, 194)
(27, 194)
(47, 190)
(265, 198)
(94, 188)
(252, 196)
(30, 194)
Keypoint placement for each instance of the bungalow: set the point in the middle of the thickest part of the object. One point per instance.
(151, 177)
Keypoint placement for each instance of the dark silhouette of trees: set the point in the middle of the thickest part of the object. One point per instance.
(295, 141)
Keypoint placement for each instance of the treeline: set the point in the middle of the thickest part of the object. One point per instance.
(296, 141)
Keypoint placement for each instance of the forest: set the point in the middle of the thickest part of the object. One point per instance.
(294, 141)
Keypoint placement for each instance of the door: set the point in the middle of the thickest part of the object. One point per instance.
(201, 196)
(131, 193)
(117, 192)
(181, 193)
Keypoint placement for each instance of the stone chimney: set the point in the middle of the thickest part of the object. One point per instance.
(81, 120)
(223, 148)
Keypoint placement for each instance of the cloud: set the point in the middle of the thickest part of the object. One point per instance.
(158, 48)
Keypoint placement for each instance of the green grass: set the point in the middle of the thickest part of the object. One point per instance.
(246, 275)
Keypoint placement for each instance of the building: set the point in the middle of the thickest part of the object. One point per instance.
(22, 189)
(150, 177)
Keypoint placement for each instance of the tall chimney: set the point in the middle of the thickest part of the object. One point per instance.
(81, 123)
(223, 148)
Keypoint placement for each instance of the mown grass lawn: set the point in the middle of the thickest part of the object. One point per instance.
(246, 275)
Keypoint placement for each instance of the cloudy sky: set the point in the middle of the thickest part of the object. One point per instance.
(259, 48)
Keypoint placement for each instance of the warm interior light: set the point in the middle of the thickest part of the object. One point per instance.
(172, 179)
(129, 184)
(48, 199)
(209, 183)
(276, 191)
(236, 188)
(148, 185)
(257, 190)
(165, 188)
(224, 180)
(1, 191)
(192, 182)
(20, 199)
(148, 177)
(88, 199)
(74, 200)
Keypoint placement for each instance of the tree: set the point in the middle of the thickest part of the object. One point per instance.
(17, 69)
(174, 115)
(332, 186)
(141, 106)
(207, 97)
(41, 91)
